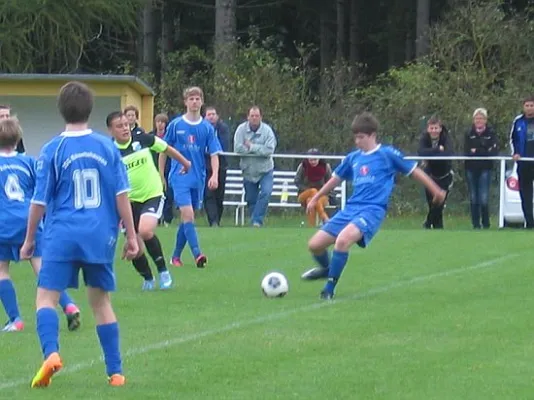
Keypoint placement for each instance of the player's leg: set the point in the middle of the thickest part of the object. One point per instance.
(8, 296)
(182, 199)
(140, 263)
(318, 247)
(100, 281)
(69, 307)
(150, 215)
(54, 277)
(188, 217)
(347, 237)
(262, 202)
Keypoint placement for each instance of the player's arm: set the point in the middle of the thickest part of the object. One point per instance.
(438, 194)
(173, 153)
(330, 185)
(162, 160)
(267, 148)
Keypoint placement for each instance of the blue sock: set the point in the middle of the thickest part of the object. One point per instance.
(64, 300)
(48, 330)
(8, 296)
(322, 259)
(181, 241)
(338, 262)
(192, 239)
(108, 335)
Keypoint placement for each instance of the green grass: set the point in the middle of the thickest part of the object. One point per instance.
(418, 315)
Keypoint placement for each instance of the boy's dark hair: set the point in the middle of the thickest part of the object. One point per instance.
(10, 133)
(5, 107)
(365, 123)
(75, 102)
(529, 99)
(113, 116)
(434, 120)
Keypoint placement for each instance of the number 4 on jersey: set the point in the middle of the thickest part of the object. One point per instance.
(13, 189)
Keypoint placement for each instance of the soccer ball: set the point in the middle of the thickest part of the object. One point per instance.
(274, 284)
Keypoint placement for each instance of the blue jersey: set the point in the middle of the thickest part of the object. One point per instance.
(17, 180)
(193, 140)
(373, 174)
(78, 176)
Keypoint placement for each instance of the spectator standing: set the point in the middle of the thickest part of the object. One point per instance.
(256, 141)
(435, 141)
(480, 141)
(132, 114)
(214, 199)
(522, 144)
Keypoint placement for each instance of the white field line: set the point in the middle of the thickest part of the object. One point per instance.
(270, 317)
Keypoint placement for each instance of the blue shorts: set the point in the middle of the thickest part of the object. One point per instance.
(186, 196)
(366, 218)
(11, 252)
(60, 275)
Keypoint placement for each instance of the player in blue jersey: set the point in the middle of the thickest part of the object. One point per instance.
(17, 178)
(192, 136)
(82, 182)
(372, 169)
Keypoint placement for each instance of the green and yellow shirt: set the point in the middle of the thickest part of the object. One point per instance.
(145, 181)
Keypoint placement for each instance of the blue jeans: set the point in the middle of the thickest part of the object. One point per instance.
(257, 196)
(478, 182)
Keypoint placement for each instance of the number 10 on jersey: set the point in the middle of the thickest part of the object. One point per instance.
(86, 188)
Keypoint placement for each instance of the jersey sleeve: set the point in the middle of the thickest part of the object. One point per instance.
(121, 183)
(213, 144)
(159, 145)
(169, 137)
(45, 177)
(399, 163)
(344, 170)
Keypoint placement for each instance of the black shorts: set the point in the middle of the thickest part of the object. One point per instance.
(152, 207)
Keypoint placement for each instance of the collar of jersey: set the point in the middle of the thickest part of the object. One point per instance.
(124, 145)
(77, 133)
(10, 154)
(366, 153)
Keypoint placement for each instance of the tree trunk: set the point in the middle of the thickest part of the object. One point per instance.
(149, 39)
(354, 53)
(423, 24)
(340, 35)
(225, 30)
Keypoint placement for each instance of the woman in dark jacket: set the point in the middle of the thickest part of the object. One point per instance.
(480, 141)
(435, 141)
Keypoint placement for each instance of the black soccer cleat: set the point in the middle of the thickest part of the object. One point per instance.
(315, 274)
(326, 295)
(73, 321)
(201, 261)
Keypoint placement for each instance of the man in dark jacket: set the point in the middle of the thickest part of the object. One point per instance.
(480, 141)
(435, 141)
(522, 143)
(213, 199)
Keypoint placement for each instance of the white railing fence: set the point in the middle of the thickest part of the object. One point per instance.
(500, 159)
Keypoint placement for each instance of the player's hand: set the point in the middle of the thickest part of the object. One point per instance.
(516, 157)
(185, 167)
(131, 249)
(439, 197)
(213, 183)
(310, 207)
(26, 251)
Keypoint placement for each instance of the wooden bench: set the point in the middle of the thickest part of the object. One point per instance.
(234, 193)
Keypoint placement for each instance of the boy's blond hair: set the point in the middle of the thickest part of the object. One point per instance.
(193, 91)
(10, 133)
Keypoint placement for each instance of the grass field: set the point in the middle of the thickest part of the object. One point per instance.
(418, 315)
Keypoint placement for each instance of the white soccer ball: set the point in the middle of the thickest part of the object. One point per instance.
(274, 284)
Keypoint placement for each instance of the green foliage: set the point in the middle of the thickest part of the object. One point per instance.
(52, 35)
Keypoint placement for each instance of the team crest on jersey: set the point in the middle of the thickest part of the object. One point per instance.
(191, 139)
(136, 146)
(364, 170)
